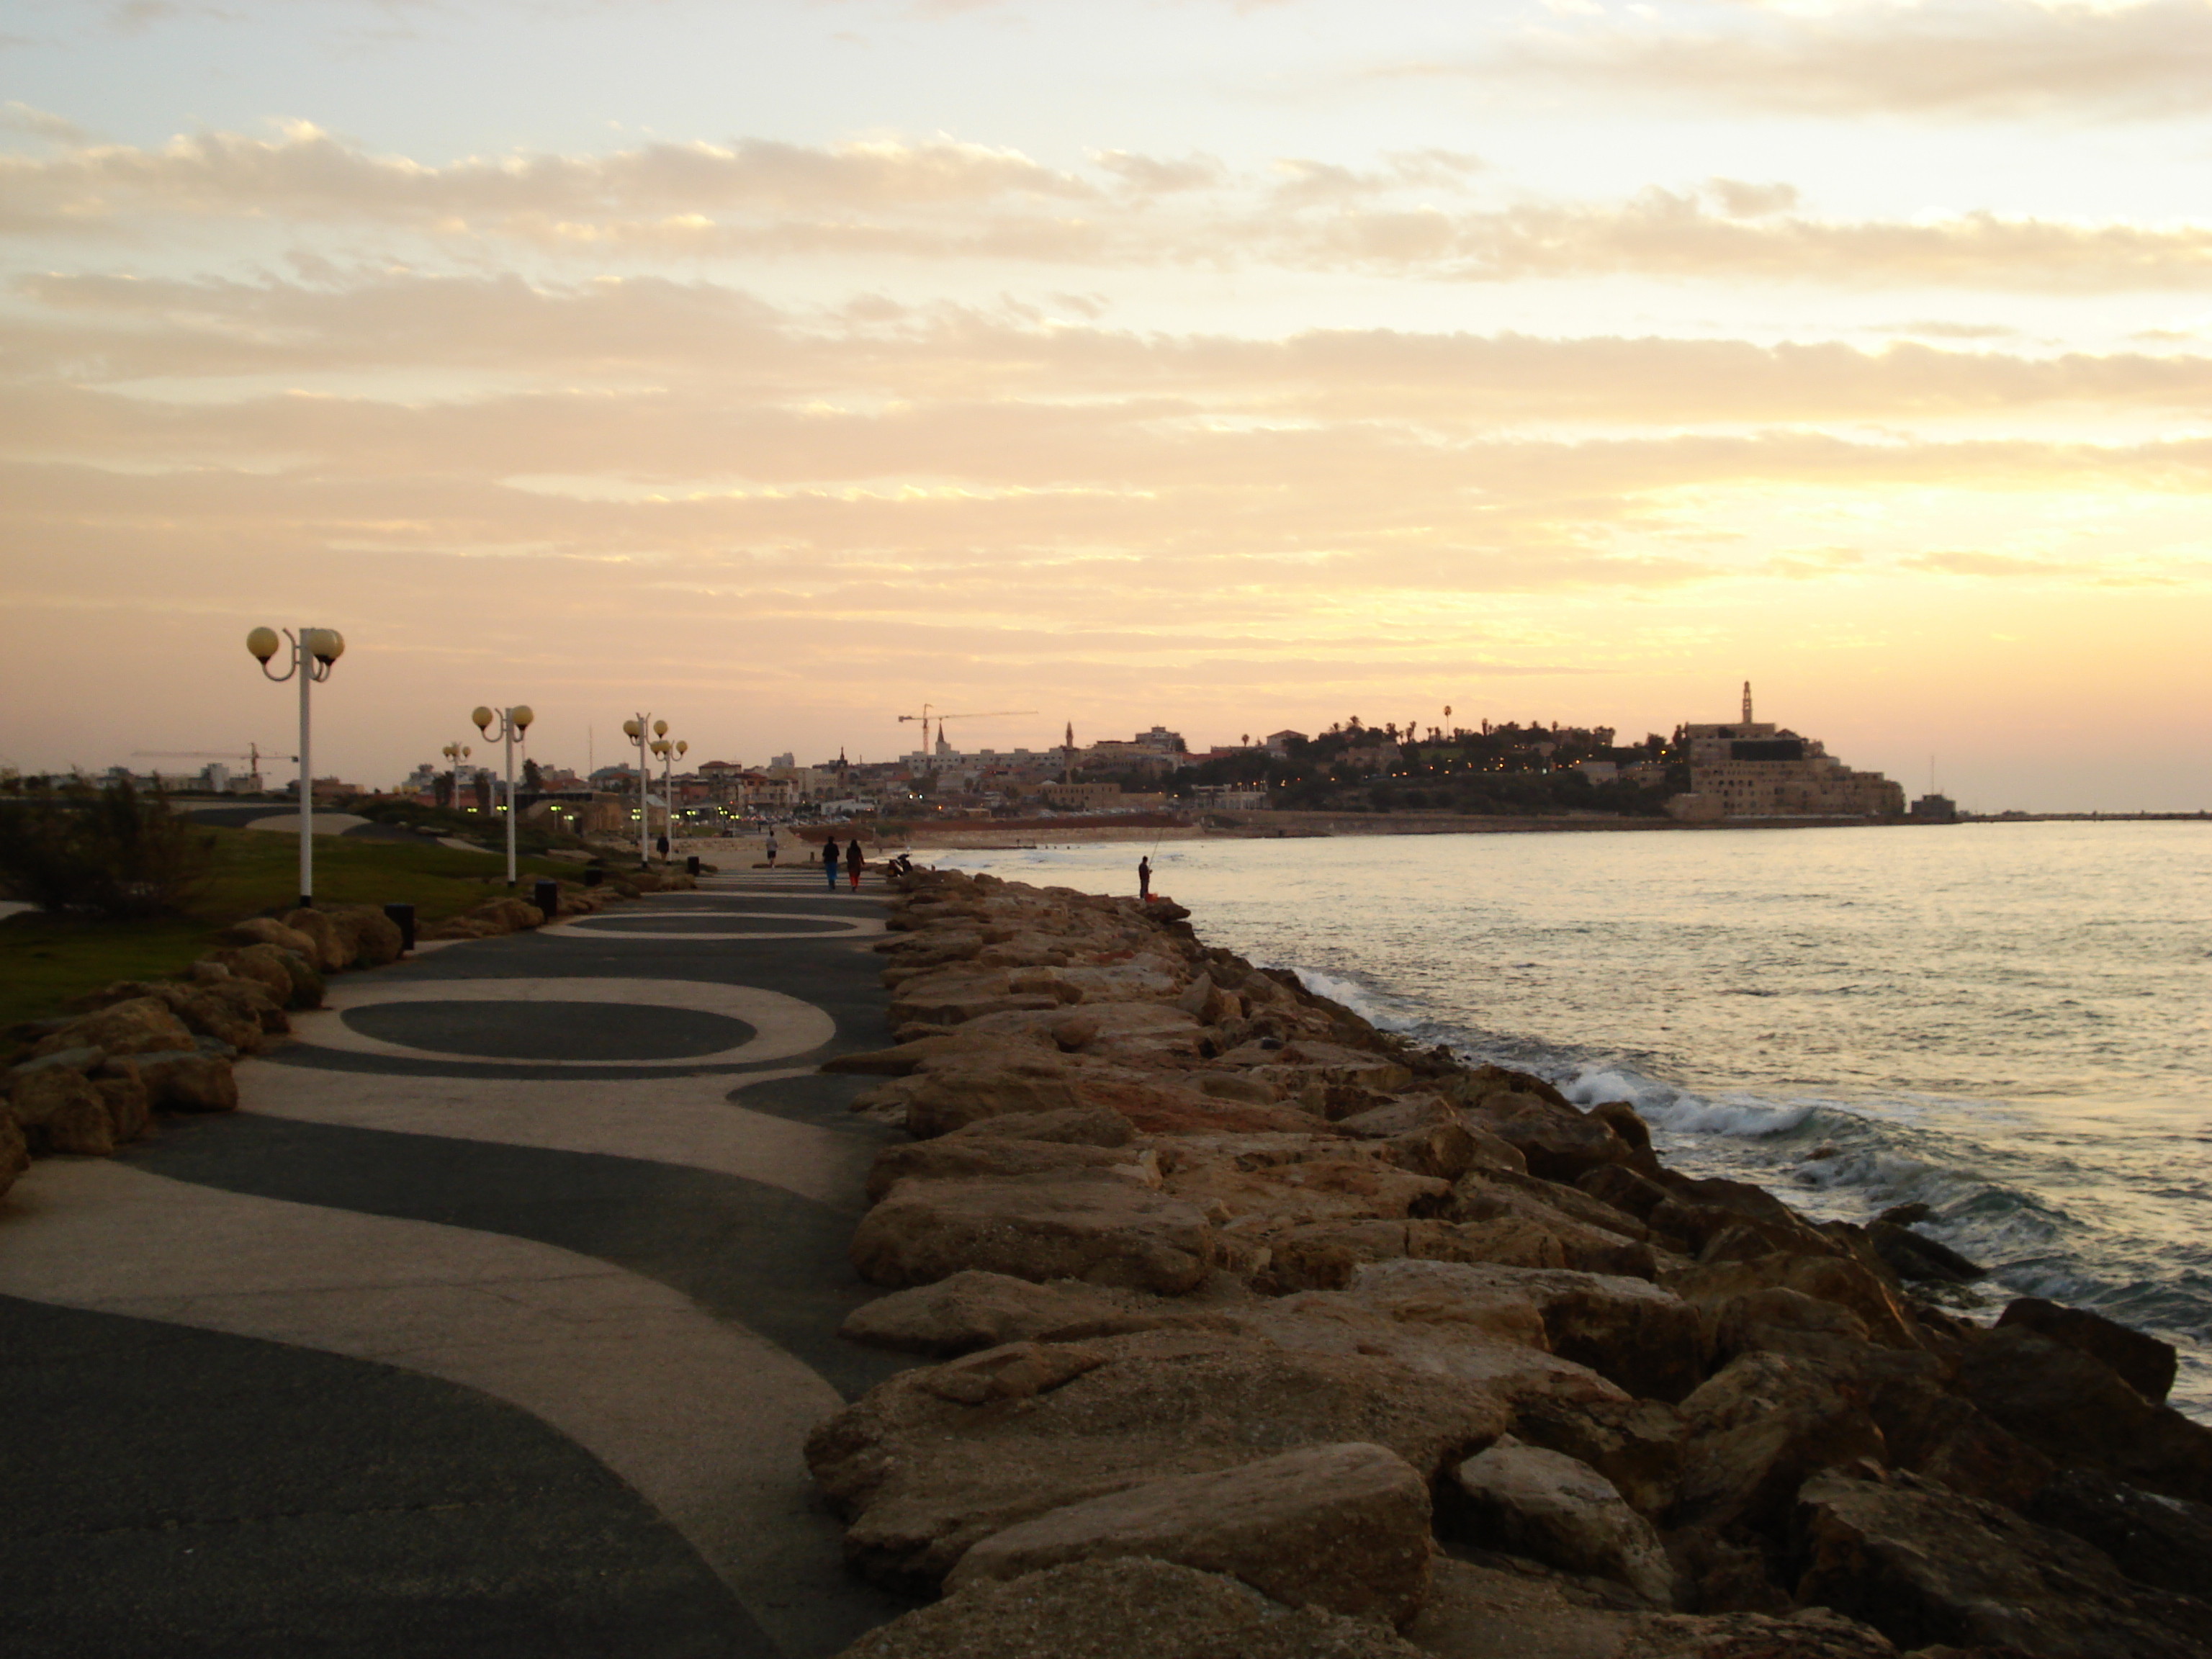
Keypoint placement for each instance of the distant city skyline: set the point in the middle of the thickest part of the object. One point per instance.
(778, 366)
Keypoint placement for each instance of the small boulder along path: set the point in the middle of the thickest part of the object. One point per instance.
(492, 1322)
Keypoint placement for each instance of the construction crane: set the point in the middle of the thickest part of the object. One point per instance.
(254, 756)
(928, 714)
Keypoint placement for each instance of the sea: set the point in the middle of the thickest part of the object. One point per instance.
(2011, 1023)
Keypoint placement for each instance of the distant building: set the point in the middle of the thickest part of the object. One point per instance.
(1081, 796)
(1755, 769)
(1935, 808)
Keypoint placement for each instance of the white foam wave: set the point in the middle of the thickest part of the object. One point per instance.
(1356, 997)
(1666, 1107)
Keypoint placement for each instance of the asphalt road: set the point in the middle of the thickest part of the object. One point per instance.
(491, 1323)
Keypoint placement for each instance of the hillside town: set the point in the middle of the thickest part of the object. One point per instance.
(1700, 773)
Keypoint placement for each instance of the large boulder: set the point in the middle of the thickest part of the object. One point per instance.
(141, 1025)
(1646, 1339)
(1927, 1566)
(2164, 1542)
(1343, 1528)
(290, 977)
(15, 1151)
(1559, 1142)
(1103, 1231)
(251, 1001)
(1112, 1609)
(60, 1111)
(2143, 1363)
(2076, 1409)
(1636, 1444)
(1524, 1500)
(373, 938)
(333, 951)
(1075, 1126)
(953, 1093)
(1756, 1430)
(973, 1309)
(193, 1082)
(1833, 1279)
(974, 1158)
(267, 930)
(921, 1476)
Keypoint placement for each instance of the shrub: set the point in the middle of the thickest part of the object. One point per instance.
(111, 851)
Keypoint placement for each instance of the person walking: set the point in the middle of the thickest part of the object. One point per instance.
(771, 850)
(1145, 878)
(829, 862)
(852, 863)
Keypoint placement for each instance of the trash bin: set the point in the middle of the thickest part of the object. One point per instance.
(691, 865)
(547, 894)
(403, 917)
(594, 875)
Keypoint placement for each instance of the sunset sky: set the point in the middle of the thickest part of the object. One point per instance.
(781, 368)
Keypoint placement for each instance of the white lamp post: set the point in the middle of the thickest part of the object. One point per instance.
(313, 652)
(455, 753)
(636, 730)
(512, 723)
(666, 750)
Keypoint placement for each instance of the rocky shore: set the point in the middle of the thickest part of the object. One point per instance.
(1257, 1331)
(94, 1078)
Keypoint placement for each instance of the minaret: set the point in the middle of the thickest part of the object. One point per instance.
(1746, 702)
(1067, 755)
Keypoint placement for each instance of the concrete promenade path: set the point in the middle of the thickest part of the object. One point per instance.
(491, 1323)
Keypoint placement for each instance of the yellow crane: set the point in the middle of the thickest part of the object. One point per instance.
(928, 714)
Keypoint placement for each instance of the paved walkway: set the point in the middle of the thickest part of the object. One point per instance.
(491, 1323)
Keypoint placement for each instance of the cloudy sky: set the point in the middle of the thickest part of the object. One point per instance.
(781, 366)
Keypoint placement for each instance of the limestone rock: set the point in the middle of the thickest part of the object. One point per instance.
(332, 952)
(1758, 1429)
(1525, 1500)
(141, 1025)
(187, 1082)
(1636, 1444)
(1115, 1610)
(921, 1479)
(1076, 1126)
(1646, 1339)
(15, 1151)
(2163, 1542)
(1825, 1278)
(372, 938)
(267, 930)
(974, 1310)
(129, 1105)
(1559, 1142)
(974, 1158)
(1924, 1565)
(289, 977)
(1344, 1527)
(951, 1095)
(252, 1000)
(1106, 1231)
(61, 1112)
(2143, 1363)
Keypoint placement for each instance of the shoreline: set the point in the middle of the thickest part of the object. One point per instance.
(1139, 1166)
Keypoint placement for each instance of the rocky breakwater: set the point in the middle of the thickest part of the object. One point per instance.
(92, 1078)
(1255, 1330)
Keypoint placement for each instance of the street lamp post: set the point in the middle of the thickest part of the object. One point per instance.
(636, 730)
(667, 750)
(312, 653)
(512, 723)
(455, 753)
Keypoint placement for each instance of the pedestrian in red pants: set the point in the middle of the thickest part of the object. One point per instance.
(852, 863)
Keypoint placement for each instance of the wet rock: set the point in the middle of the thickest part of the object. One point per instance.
(1343, 1528)
(1114, 1609)
(1524, 1500)
(2143, 1363)
(972, 1310)
(1105, 1231)
(2076, 1409)
(2163, 1542)
(1559, 1142)
(1924, 1565)
(1913, 1257)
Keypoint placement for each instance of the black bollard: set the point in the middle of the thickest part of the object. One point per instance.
(594, 875)
(403, 917)
(691, 865)
(548, 897)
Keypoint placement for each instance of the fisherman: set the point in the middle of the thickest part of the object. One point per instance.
(1145, 878)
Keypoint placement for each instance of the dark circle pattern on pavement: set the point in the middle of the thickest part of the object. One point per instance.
(551, 1031)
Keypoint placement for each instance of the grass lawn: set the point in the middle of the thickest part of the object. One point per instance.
(46, 960)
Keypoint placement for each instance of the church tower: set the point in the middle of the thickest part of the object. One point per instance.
(1746, 702)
